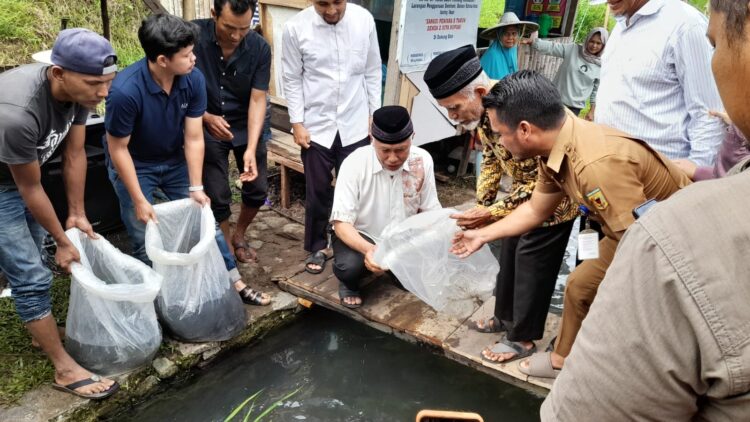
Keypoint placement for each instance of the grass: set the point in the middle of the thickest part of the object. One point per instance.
(249, 403)
(22, 367)
(490, 12)
(29, 26)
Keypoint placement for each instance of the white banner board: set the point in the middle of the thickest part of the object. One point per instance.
(430, 27)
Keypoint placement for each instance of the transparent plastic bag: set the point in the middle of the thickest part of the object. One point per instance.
(416, 250)
(197, 302)
(111, 326)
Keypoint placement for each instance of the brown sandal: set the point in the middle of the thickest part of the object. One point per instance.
(249, 256)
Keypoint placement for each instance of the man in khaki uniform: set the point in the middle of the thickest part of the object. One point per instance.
(600, 168)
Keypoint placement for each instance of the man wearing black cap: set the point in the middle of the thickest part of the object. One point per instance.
(390, 167)
(44, 107)
(457, 82)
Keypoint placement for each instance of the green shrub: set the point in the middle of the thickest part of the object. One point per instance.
(30, 26)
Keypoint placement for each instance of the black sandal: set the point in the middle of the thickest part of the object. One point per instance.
(345, 293)
(71, 388)
(254, 297)
(318, 258)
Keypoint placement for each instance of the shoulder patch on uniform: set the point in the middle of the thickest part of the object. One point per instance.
(597, 198)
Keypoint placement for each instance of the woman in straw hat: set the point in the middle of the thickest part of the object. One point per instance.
(577, 77)
(501, 58)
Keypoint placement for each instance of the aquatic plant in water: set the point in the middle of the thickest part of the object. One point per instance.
(250, 401)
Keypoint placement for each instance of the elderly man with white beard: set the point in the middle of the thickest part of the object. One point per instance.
(458, 83)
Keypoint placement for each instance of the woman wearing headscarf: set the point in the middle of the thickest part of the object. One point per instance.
(578, 76)
(501, 58)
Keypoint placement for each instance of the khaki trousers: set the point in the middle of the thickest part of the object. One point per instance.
(580, 291)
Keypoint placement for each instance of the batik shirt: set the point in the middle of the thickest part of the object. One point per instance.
(497, 161)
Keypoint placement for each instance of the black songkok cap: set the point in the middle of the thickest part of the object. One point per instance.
(391, 124)
(451, 71)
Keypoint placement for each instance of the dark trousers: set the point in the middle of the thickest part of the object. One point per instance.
(216, 177)
(575, 110)
(318, 162)
(529, 265)
(348, 264)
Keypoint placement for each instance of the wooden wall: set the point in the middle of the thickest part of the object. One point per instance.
(546, 65)
(202, 7)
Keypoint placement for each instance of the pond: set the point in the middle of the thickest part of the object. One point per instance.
(345, 371)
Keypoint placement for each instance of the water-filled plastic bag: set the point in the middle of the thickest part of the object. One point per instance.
(111, 326)
(416, 250)
(197, 301)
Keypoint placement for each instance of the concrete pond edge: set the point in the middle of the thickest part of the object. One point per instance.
(174, 363)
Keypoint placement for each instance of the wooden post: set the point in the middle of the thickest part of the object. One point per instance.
(155, 6)
(606, 17)
(105, 19)
(393, 74)
(188, 9)
(285, 194)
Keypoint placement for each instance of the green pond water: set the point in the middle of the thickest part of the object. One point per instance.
(346, 371)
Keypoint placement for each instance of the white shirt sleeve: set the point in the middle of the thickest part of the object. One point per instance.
(346, 195)
(292, 69)
(373, 71)
(692, 55)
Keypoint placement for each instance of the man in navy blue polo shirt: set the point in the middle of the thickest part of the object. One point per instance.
(236, 63)
(154, 130)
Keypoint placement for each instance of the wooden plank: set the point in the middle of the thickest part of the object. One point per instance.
(288, 273)
(155, 6)
(266, 25)
(188, 9)
(294, 4)
(290, 151)
(285, 193)
(467, 344)
(285, 161)
(317, 299)
(310, 281)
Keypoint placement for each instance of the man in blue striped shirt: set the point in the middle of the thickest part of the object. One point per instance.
(656, 81)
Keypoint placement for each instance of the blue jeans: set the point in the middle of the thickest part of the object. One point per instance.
(20, 257)
(172, 180)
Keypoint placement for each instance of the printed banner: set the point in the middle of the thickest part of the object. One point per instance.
(430, 27)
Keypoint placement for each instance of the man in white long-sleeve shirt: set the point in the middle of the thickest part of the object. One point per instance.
(332, 74)
(656, 82)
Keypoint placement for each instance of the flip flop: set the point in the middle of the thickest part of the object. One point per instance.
(253, 297)
(249, 256)
(344, 293)
(540, 365)
(71, 388)
(507, 346)
(490, 325)
(318, 258)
